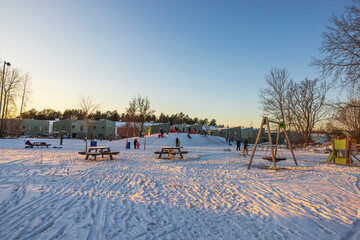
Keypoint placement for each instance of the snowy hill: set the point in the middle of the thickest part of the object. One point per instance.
(195, 141)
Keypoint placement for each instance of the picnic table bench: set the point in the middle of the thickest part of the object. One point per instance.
(37, 144)
(171, 151)
(93, 152)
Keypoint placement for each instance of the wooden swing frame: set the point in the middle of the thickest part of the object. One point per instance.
(281, 125)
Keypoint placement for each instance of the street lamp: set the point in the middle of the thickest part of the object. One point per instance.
(2, 83)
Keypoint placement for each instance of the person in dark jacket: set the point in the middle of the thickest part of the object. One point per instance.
(135, 143)
(177, 142)
(61, 139)
(238, 145)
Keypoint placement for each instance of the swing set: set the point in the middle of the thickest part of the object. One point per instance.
(274, 152)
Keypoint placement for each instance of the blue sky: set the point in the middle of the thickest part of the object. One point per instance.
(204, 58)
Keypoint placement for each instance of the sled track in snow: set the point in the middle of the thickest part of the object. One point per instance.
(60, 195)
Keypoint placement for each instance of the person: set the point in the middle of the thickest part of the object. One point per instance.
(177, 142)
(245, 147)
(238, 144)
(127, 145)
(135, 143)
(61, 139)
(230, 141)
(188, 135)
(27, 142)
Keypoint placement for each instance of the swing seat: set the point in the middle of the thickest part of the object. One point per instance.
(277, 159)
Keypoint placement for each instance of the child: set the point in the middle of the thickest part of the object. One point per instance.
(245, 147)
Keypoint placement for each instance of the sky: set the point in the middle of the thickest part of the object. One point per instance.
(206, 59)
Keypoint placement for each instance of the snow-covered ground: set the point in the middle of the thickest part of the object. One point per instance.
(55, 193)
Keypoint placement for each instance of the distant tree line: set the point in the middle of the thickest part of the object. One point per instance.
(51, 114)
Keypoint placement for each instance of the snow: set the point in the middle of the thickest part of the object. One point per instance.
(55, 193)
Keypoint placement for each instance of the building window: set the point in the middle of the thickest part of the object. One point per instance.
(40, 128)
(73, 127)
(81, 128)
(94, 127)
(24, 127)
(34, 127)
(103, 127)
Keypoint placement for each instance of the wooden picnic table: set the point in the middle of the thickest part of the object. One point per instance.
(37, 144)
(171, 151)
(100, 150)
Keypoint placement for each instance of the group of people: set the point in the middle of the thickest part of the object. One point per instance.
(238, 145)
(136, 144)
(229, 140)
(162, 132)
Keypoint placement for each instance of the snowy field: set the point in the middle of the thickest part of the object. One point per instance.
(56, 194)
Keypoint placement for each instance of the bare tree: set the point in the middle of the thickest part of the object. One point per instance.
(87, 106)
(341, 47)
(348, 115)
(25, 91)
(139, 109)
(274, 98)
(144, 109)
(131, 113)
(307, 104)
(11, 84)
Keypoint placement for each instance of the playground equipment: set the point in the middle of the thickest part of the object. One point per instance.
(343, 145)
(273, 158)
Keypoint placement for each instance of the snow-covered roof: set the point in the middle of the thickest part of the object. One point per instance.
(146, 124)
